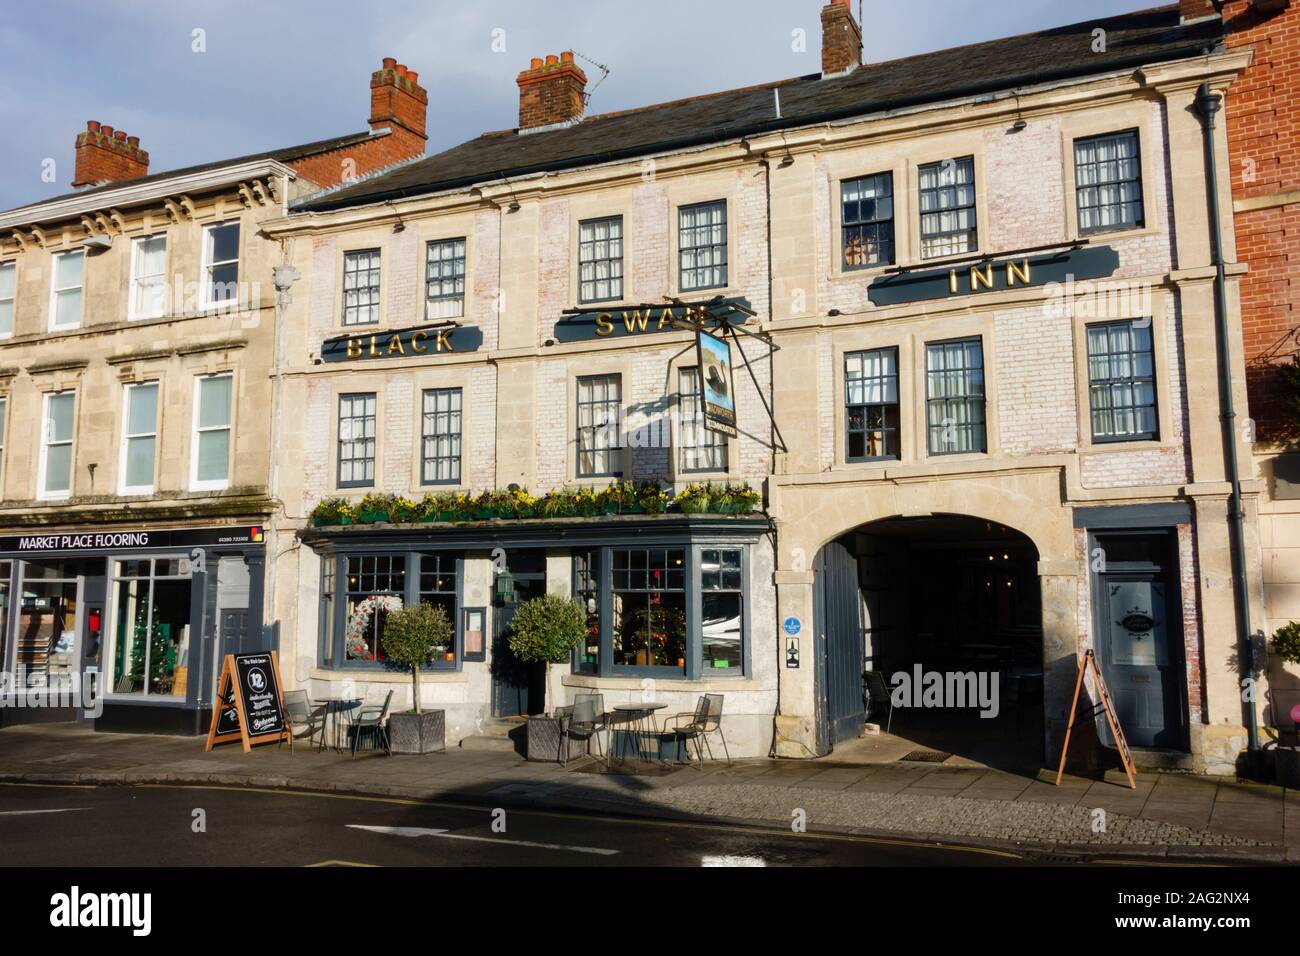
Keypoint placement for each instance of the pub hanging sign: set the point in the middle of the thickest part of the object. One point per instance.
(402, 343)
(991, 275)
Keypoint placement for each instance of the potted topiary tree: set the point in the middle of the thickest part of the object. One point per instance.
(546, 630)
(414, 636)
(1286, 645)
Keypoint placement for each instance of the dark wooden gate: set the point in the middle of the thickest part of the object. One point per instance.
(842, 649)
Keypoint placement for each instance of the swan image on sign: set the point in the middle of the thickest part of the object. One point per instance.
(715, 383)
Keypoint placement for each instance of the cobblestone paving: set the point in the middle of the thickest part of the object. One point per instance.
(948, 816)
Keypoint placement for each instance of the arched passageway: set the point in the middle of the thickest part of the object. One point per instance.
(942, 615)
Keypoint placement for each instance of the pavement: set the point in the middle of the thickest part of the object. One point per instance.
(1168, 818)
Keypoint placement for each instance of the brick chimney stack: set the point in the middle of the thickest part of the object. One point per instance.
(107, 155)
(1196, 10)
(841, 38)
(398, 103)
(551, 92)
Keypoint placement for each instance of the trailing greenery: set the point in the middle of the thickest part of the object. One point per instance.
(1286, 642)
(413, 635)
(547, 629)
(621, 497)
(1288, 391)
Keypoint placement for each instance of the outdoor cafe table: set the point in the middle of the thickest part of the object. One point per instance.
(334, 706)
(640, 719)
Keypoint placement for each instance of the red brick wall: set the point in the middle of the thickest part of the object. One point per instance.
(104, 154)
(330, 169)
(841, 38)
(1263, 116)
(551, 91)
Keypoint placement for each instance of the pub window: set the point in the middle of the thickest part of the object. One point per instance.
(948, 208)
(954, 393)
(702, 245)
(438, 588)
(57, 424)
(65, 290)
(867, 221)
(702, 449)
(151, 627)
(600, 446)
(444, 279)
(148, 297)
(648, 588)
(8, 291)
(600, 260)
(220, 264)
(721, 610)
(361, 287)
(440, 437)
(586, 590)
(210, 456)
(357, 440)
(1121, 381)
(871, 405)
(374, 587)
(1108, 182)
(139, 446)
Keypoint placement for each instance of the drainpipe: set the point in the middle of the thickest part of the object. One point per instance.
(1207, 105)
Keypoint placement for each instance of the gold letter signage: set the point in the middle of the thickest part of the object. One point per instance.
(401, 343)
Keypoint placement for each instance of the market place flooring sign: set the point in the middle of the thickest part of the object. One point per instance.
(1088, 262)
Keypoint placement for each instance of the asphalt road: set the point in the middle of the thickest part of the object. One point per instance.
(159, 826)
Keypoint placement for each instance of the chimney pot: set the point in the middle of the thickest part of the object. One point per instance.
(106, 130)
(536, 63)
(398, 103)
(133, 141)
(120, 135)
(401, 69)
(413, 76)
(92, 125)
(552, 59)
(566, 56)
(389, 62)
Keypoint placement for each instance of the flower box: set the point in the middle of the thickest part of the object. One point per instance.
(421, 733)
(372, 517)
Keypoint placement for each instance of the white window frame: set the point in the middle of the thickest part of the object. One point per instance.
(206, 264)
(131, 312)
(4, 433)
(41, 493)
(55, 290)
(13, 299)
(122, 487)
(211, 484)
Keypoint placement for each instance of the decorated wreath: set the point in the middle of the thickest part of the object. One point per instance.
(359, 623)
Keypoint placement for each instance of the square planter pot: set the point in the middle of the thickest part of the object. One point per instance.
(544, 740)
(421, 733)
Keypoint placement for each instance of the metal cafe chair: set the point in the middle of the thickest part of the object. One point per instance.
(300, 711)
(584, 722)
(706, 720)
(369, 723)
(877, 694)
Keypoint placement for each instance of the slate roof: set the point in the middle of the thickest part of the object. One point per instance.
(283, 155)
(1133, 39)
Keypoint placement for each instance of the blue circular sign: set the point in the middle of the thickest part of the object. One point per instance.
(792, 626)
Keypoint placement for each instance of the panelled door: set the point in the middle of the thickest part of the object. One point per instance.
(841, 639)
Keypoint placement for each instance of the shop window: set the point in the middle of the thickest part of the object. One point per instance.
(600, 446)
(210, 455)
(702, 449)
(357, 440)
(1121, 381)
(947, 202)
(148, 296)
(55, 469)
(375, 585)
(361, 287)
(1108, 182)
(600, 260)
(586, 590)
(702, 246)
(867, 221)
(444, 279)
(721, 610)
(649, 607)
(151, 627)
(45, 645)
(954, 393)
(139, 446)
(438, 588)
(871, 405)
(65, 290)
(440, 437)
(220, 265)
(8, 292)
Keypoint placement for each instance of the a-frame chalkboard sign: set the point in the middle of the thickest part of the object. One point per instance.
(250, 703)
(1106, 703)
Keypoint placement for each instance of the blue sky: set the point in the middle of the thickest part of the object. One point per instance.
(292, 71)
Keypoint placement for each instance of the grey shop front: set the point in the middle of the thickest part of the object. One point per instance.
(125, 628)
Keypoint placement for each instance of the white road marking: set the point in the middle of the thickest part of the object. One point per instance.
(23, 813)
(733, 861)
(426, 831)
